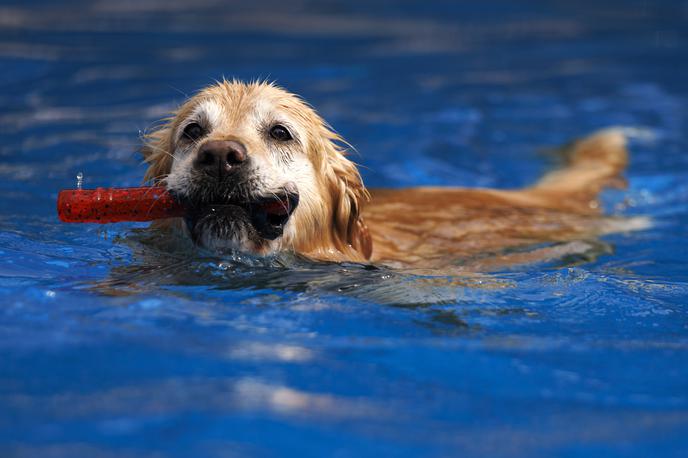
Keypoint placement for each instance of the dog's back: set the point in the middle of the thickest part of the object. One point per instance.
(482, 229)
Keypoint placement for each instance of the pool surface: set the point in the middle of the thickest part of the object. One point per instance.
(113, 344)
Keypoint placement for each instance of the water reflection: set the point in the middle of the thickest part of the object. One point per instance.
(165, 258)
(213, 395)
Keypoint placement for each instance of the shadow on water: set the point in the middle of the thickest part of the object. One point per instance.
(170, 261)
(167, 261)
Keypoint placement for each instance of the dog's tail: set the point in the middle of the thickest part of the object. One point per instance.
(593, 163)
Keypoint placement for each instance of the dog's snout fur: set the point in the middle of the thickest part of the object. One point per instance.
(218, 158)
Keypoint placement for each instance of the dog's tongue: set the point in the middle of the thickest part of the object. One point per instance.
(278, 206)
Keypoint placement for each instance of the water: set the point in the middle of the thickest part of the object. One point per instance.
(115, 345)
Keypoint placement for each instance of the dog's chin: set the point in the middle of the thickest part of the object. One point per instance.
(254, 227)
(223, 229)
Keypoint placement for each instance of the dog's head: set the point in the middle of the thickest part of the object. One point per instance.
(259, 171)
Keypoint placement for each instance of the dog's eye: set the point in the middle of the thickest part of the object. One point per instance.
(193, 131)
(280, 133)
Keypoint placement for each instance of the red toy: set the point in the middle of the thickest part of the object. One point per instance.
(112, 205)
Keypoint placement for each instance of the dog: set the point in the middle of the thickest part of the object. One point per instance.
(261, 172)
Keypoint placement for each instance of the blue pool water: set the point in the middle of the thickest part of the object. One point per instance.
(111, 344)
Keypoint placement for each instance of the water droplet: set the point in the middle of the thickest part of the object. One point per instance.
(79, 180)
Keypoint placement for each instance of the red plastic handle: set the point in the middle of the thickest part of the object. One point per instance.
(113, 205)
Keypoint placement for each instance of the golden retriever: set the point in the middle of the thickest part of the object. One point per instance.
(261, 172)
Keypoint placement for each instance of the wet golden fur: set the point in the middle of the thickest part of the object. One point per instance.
(419, 227)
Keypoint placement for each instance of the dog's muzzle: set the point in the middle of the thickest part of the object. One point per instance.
(260, 218)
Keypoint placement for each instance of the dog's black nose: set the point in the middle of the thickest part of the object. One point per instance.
(218, 157)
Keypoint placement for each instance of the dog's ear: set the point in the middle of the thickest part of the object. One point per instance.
(348, 195)
(157, 152)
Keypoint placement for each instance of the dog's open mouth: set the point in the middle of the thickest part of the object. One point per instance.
(269, 215)
(264, 217)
